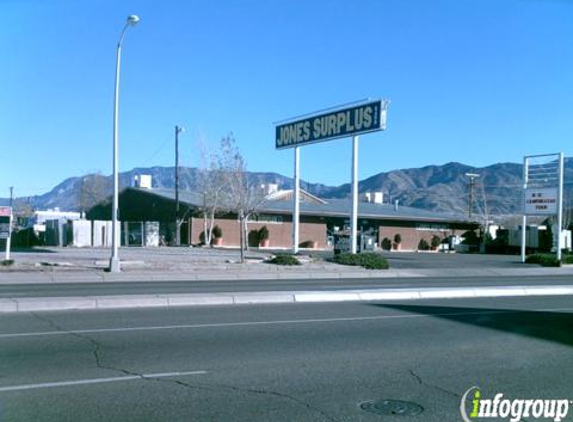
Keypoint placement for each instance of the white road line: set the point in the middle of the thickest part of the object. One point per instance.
(279, 322)
(98, 380)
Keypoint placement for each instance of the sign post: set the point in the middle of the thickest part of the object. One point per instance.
(543, 193)
(296, 202)
(6, 228)
(337, 122)
(354, 214)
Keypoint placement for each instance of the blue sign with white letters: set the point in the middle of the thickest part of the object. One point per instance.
(364, 118)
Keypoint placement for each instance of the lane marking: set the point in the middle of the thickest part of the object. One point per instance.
(98, 380)
(278, 322)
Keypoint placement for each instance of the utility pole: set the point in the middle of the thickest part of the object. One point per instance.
(11, 196)
(178, 130)
(472, 184)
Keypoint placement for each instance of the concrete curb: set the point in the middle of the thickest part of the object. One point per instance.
(12, 305)
(50, 277)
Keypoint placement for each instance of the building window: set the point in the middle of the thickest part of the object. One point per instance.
(266, 218)
(432, 226)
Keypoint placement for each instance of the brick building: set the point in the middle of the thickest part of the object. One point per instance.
(320, 219)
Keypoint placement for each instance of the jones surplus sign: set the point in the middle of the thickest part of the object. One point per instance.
(369, 117)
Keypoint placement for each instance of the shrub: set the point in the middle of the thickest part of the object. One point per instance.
(545, 260)
(307, 244)
(6, 262)
(386, 244)
(567, 259)
(253, 237)
(436, 241)
(217, 232)
(470, 238)
(284, 260)
(423, 245)
(398, 238)
(367, 260)
(263, 233)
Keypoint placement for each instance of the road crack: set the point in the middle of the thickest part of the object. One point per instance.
(96, 351)
(434, 386)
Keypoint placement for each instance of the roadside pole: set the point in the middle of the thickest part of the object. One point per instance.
(9, 240)
(354, 212)
(560, 207)
(296, 202)
(524, 220)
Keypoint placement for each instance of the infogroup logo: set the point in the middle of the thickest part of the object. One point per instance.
(514, 410)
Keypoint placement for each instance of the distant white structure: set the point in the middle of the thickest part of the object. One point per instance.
(270, 188)
(373, 197)
(40, 217)
(143, 181)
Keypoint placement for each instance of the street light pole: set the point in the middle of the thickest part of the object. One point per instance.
(178, 130)
(114, 263)
(472, 183)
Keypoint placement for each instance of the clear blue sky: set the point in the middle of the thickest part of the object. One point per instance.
(478, 82)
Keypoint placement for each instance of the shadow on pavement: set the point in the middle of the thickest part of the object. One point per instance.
(32, 250)
(551, 326)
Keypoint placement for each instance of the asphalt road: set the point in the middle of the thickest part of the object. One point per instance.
(282, 362)
(196, 286)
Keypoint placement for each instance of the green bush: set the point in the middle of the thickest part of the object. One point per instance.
(436, 241)
(386, 244)
(217, 232)
(307, 244)
(6, 262)
(545, 260)
(263, 233)
(567, 259)
(423, 245)
(398, 238)
(369, 260)
(284, 260)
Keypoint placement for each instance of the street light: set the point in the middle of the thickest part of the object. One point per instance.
(114, 264)
(472, 177)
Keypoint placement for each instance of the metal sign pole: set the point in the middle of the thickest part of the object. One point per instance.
(9, 240)
(354, 214)
(560, 207)
(524, 222)
(296, 201)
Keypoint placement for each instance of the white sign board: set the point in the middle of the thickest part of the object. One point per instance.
(5, 222)
(542, 201)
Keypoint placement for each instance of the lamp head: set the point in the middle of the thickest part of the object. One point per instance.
(132, 20)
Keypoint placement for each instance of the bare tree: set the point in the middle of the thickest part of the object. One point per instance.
(212, 185)
(245, 197)
(567, 209)
(91, 192)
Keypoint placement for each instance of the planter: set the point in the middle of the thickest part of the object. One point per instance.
(218, 241)
(264, 243)
(314, 244)
(396, 246)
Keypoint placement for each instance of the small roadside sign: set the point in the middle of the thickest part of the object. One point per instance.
(541, 201)
(5, 211)
(4, 230)
(6, 227)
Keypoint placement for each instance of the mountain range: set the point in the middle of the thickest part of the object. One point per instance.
(441, 188)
